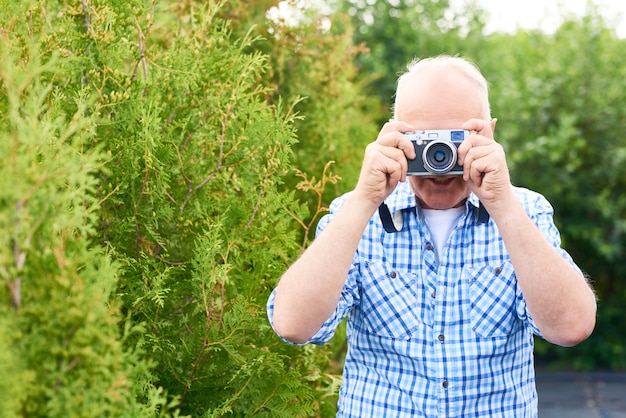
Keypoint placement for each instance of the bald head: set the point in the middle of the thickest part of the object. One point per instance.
(441, 89)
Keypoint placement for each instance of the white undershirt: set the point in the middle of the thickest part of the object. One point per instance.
(441, 223)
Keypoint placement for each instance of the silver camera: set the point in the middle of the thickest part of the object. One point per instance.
(436, 152)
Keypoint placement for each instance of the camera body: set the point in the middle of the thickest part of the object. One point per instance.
(436, 152)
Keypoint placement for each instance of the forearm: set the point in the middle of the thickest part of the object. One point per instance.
(561, 303)
(309, 291)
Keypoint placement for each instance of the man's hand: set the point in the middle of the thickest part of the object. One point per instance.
(385, 163)
(484, 166)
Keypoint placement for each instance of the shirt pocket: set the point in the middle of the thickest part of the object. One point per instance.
(493, 299)
(390, 303)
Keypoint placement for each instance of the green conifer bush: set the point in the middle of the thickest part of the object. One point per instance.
(145, 216)
(63, 351)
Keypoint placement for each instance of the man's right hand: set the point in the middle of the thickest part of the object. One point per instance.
(385, 163)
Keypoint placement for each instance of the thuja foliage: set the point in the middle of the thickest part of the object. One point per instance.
(63, 352)
(144, 216)
(312, 65)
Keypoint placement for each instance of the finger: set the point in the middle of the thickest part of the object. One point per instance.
(472, 142)
(394, 154)
(399, 141)
(482, 160)
(473, 172)
(480, 127)
(474, 153)
(395, 126)
(388, 135)
(379, 177)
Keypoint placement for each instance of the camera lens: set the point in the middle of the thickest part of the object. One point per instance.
(439, 157)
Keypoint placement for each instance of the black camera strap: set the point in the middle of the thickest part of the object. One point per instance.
(481, 216)
(387, 219)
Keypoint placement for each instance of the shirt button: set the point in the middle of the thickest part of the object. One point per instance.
(441, 337)
(497, 270)
(393, 275)
(445, 384)
(434, 294)
(429, 247)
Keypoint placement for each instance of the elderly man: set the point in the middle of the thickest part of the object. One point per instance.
(447, 283)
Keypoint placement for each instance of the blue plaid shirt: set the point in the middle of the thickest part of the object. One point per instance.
(436, 335)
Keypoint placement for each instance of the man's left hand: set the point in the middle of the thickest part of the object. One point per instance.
(484, 165)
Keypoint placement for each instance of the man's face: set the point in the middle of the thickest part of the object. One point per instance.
(433, 99)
